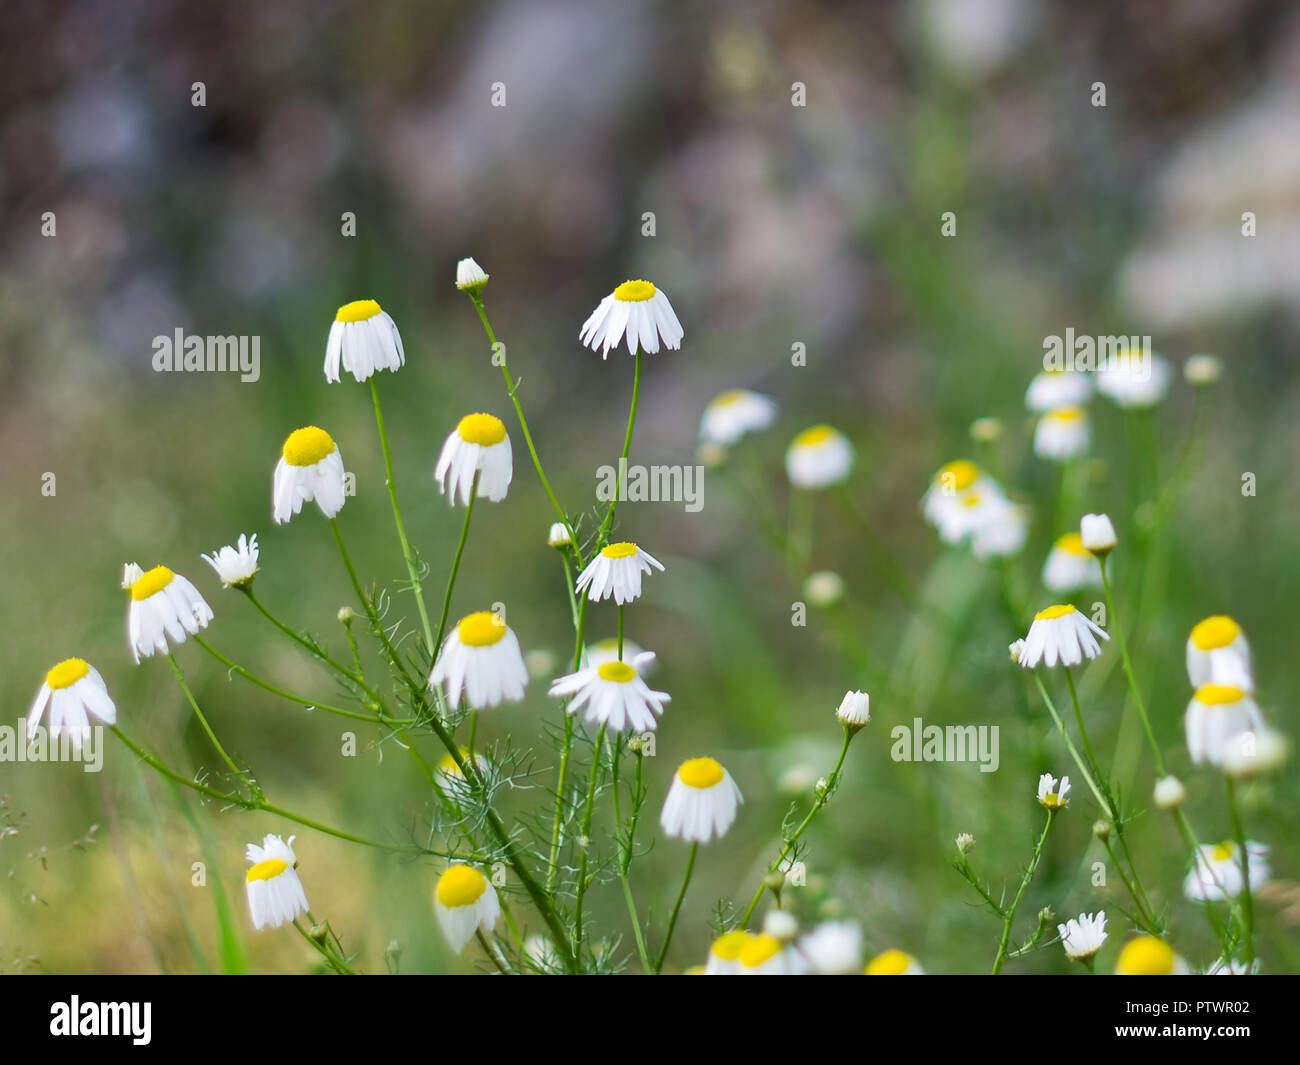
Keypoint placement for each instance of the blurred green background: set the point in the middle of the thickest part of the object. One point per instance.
(775, 225)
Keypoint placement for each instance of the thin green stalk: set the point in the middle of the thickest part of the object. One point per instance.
(1147, 922)
(821, 800)
(585, 840)
(373, 616)
(336, 963)
(677, 906)
(1128, 669)
(625, 858)
(492, 953)
(1247, 897)
(1020, 894)
(253, 788)
(455, 563)
(411, 568)
(1074, 752)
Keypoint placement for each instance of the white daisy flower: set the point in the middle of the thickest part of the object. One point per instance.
(614, 694)
(731, 415)
(1149, 956)
(470, 277)
(818, 458)
(465, 902)
(310, 468)
(1097, 533)
(641, 311)
(616, 571)
(1051, 389)
(1217, 653)
(999, 527)
(364, 339)
(701, 802)
(164, 605)
(1218, 873)
(1051, 795)
(1070, 565)
(1257, 752)
(855, 710)
(236, 566)
(1061, 633)
(1083, 936)
(481, 657)
(1201, 370)
(957, 500)
(765, 955)
(74, 692)
(479, 444)
(724, 954)
(833, 948)
(1134, 379)
(1221, 721)
(606, 650)
(275, 895)
(1062, 433)
(894, 963)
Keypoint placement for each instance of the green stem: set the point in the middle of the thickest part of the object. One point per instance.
(253, 788)
(455, 564)
(1247, 897)
(336, 963)
(677, 906)
(1128, 669)
(492, 953)
(411, 567)
(352, 674)
(1020, 894)
(585, 840)
(371, 613)
(1074, 752)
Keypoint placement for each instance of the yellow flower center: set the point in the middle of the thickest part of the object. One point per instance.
(730, 398)
(1223, 851)
(623, 550)
(620, 672)
(448, 763)
(67, 673)
(1215, 632)
(960, 475)
(1067, 414)
(1072, 544)
(267, 870)
(307, 446)
(151, 583)
(1052, 801)
(482, 429)
(460, 885)
(890, 963)
(634, 292)
(1218, 694)
(814, 437)
(1146, 956)
(758, 950)
(728, 947)
(481, 629)
(972, 500)
(1054, 612)
(700, 773)
(357, 311)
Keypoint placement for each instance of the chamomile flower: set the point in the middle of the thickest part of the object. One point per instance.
(363, 339)
(734, 413)
(616, 571)
(450, 776)
(614, 694)
(1217, 653)
(164, 606)
(559, 536)
(310, 468)
(1218, 873)
(894, 963)
(470, 277)
(1070, 565)
(465, 903)
(1134, 379)
(1221, 721)
(478, 445)
(999, 527)
(833, 948)
(1083, 936)
(275, 895)
(1259, 752)
(1097, 533)
(947, 503)
(855, 710)
(236, 566)
(1062, 433)
(766, 955)
(482, 659)
(1061, 634)
(1051, 795)
(1149, 956)
(818, 458)
(75, 692)
(701, 802)
(639, 310)
(1051, 389)
(724, 954)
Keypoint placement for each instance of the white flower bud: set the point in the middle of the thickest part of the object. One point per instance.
(855, 710)
(1202, 370)
(559, 536)
(824, 588)
(470, 276)
(1098, 533)
(1170, 793)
